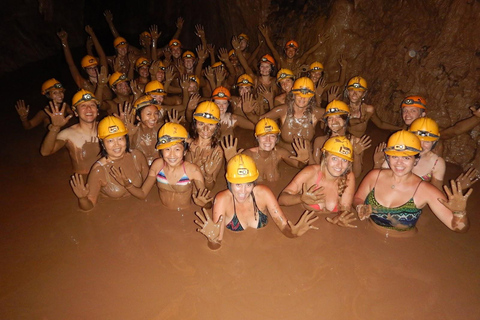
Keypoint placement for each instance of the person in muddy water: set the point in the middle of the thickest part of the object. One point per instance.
(114, 143)
(204, 148)
(285, 80)
(267, 155)
(336, 116)
(54, 91)
(178, 181)
(245, 205)
(298, 116)
(120, 85)
(393, 199)
(80, 139)
(327, 187)
(360, 112)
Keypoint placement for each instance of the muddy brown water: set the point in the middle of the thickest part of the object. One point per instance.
(133, 259)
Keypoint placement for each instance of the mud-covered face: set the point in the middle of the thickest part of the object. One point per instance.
(158, 97)
(286, 85)
(222, 105)
(426, 146)
(244, 90)
(301, 102)
(115, 147)
(265, 68)
(267, 142)
(92, 71)
(205, 130)
(176, 52)
(355, 95)
(87, 111)
(315, 75)
(336, 166)
(57, 95)
(336, 123)
(241, 191)
(149, 116)
(160, 75)
(143, 71)
(123, 88)
(188, 63)
(192, 87)
(243, 44)
(174, 154)
(122, 51)
(290, 52)
(410, 114)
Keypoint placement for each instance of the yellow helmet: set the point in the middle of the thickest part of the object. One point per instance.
(241, 169)
(188, 55)
(357, 83)
(89, 61)
(426, 129)
(336, 107)
(221, 93)
(159, 64)
(414, 101)
(242, 36)
(207, 112)
(155, 87)
(291, 44)
(266, 126)
(140, 62)
(174, 43)
(217, 64)
(194, 78)
(339, 146)
(51, 84)
(111, 127)
(285, 74)
(120, 42)
(403, 143)
(145, 101)
(82, 96)
(170, 134)
(116, 78)
(231, 53)
(245, 81)
(304, 87)
(316, 66)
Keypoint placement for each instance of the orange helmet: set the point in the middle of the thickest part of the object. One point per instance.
(188, 55)
(221, 93)
(120, 42)
(291, 44)
(414, 101)
(145, 34)
(174, 43)
(194, 78)
(231, 53)
(217, 64)
(89, 61)
(268, 58)
(243, 36)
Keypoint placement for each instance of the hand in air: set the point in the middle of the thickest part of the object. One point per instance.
(57, 116)
(302, 149)
(363, 144)
(468, 178)
(120, 176)
(22, 110)
(229, 146)
(379, 156)
(456, 200)
(202, 197)
(208, 228)
(212, 162)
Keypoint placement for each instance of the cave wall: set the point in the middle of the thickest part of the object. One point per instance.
(402, 47)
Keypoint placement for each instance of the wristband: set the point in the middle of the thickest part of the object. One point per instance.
(460, 213)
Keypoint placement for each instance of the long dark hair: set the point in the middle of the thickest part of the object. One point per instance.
(104, 153)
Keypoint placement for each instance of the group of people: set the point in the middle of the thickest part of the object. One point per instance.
(168, 117)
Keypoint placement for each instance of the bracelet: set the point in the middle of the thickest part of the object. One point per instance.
(460, 213)
(53, 128)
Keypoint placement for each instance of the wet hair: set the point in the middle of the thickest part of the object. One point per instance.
(290, 100)
(342, 180)
(104, 153)
(273, 69)
(215, 137)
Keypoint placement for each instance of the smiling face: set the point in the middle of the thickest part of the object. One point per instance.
(222, 105)
(426, 146)
(267, 142)
(122, 51)
(92, 71)
(265, 68)
(173, 156)
(57, 95)
(355, 95)
(301, 102)
(336, 166)
(401, 165)
(286, 85)
(149, 116)
(315, 75)
(188, 63)
(143, 71)
(205, 130)
(115, 147)
(336, 123)
(410, 114)
(160, 75)
(192, 87)
(241, 191)
(290, 52)
(87, 111)
(176, 52)
(122, 88)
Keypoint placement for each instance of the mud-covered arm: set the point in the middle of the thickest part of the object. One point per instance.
(109, 18)
(241, 57)
(462, 126)
(98, 46)
(264, 31)
(58, 119)
(79, 80)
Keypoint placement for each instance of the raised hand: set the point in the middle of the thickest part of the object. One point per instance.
(89, 30)
(193, 101)
(263, 30)
(363, 144)
(223, 55)
(466, 179)
(229, 146)
(211, 49)
(154, 32)
(343, 219)
(248, 104)
(22, 110)
(379, 156)
(342, 62)
(63, 35)
(265, 92)
(103, 75)
(108, 15)
(169, 74)
(212, 162)
(80, 189)
(322, 83)
(333, 93)
(208, 73)
(220, 74)
(174, 117)
(199, 31)
(57, 116)
(235, 43)
(202, 197)
(179, 23)
(312, 195)
(201, 52)
(208, 228)
(302, 149)
(304, 223)
(456, 200)
(364, 211)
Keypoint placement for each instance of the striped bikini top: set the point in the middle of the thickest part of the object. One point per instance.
(183, 181)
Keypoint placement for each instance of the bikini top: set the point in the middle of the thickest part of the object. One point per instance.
(428, 177)
(316, 206)
(183, 181)
(235, 224)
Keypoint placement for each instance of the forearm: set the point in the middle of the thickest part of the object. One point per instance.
(460, 222)
(460, 127)
(48, 144)
(99, 49)
(85, 204)
(287, 199)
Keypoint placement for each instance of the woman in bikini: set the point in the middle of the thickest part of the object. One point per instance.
(245, 205)
(114, 144)
(327, 187)
(393, 199)
(178, 181)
